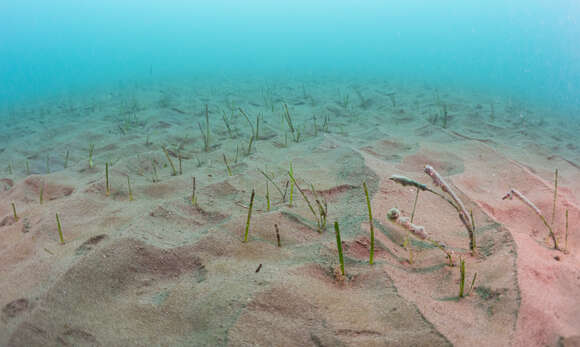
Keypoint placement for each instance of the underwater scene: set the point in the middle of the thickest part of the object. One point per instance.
(289, 173)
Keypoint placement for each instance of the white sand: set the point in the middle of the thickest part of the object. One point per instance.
(159, 271)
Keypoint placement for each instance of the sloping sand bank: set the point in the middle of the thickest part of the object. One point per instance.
(159, 270)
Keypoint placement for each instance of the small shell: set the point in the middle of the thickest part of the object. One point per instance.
(405, 222)
(419, 231)
(393, 214)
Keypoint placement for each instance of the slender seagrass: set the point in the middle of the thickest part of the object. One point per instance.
(566, 237)
(462, 279)
(339, 247)
(267, 197)
(91, 151)
(107, 187)
(319, 221)
(59, 229)
(16, 218)
(249, 215)
(193, 197)
(372, 251)
(173, 170)
(227, 165)
(555, 197)
(282, 194)
(130, 190)
(291, 186)
(277, 236)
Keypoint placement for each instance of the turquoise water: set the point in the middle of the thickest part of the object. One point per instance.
(526, 49)
(171, 172)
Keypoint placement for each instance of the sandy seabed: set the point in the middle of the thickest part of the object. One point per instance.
(158, 270)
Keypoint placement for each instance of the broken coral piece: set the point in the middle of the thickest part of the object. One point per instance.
(394, 215)
(406, 181)
(463, 215)
(516, 193)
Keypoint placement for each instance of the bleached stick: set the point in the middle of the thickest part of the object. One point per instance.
(516, 193)
(463, 215)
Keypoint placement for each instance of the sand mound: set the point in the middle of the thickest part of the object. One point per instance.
(324, 313)
(123, 276)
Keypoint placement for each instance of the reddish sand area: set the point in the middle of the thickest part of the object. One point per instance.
(151, 268)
